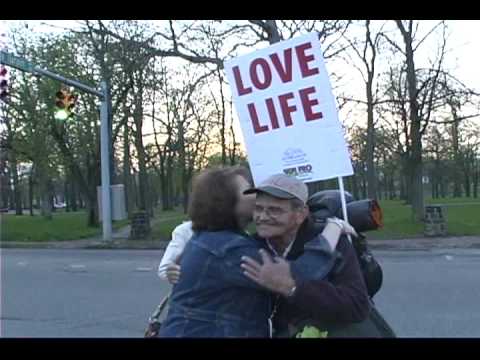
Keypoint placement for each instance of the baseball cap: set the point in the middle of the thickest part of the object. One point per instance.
(282, 186)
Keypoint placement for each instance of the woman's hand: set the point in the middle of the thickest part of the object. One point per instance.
(173, 273)
(349, 229)
(334, 229)
(345, 227)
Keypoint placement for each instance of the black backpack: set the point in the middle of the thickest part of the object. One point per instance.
(363, 215)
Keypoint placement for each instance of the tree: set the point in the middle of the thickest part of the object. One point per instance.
(366, 51)
(55, 143)
(421, 88)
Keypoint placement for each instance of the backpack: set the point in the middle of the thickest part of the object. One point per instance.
(363, 215)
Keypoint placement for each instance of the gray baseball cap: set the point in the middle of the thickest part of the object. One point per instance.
(282, 186)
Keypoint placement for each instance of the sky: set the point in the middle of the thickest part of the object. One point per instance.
(464, 43)
(462, 58)
(466, 48)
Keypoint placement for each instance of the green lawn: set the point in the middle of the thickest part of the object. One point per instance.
(447, 201)
(165, 222)
(461, 219)
(63, 226)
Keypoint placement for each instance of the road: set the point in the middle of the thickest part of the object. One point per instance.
(431, 293)
(78, 293)
(111, 293)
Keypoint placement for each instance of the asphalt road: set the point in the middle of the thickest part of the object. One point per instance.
(111, 293)
(78, 293)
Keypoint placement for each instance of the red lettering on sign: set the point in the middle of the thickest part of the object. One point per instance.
(286, 109)
(304, 59)
(267, 73)
(284, 71)
(238, 81)
(257, 128)
(273, 113)
(289, 103)
(307, 104)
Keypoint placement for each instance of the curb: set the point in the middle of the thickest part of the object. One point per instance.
(127, 246)
(422, 248)
(418, 244)
(92, 245)
(452, 242)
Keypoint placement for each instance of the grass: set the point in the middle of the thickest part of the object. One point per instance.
(63, 226)
(165, 222)
(462, 219)
(461, 200)
(162, 229)
(397, 219)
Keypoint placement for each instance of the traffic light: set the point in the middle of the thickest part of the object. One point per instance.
(60, 99)
(70, 103)
(3, 84)
(61, 111)
(65, 102)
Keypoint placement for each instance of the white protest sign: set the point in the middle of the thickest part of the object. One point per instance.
(287, 111)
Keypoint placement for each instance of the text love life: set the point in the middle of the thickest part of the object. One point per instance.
(259, 74)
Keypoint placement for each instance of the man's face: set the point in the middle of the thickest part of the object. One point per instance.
(275, 217)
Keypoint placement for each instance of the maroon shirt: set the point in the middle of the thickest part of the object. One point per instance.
(340, 299)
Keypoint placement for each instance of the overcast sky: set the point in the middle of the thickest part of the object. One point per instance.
(462, 59)
(464, 41)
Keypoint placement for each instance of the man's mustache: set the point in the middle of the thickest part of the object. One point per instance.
(265, 223)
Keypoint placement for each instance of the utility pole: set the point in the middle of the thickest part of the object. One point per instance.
(23, 65)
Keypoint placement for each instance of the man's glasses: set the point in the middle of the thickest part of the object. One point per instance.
(270, 211)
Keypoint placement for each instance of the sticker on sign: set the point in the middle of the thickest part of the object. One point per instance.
(287, 111)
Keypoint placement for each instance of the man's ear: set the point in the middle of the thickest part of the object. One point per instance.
(306, 212)
(302, 215)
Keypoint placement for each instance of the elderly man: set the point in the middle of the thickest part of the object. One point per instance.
(281, 219)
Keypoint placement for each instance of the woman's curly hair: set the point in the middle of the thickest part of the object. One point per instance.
(214, 198)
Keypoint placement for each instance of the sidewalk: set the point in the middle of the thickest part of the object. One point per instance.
(451, 242)
(121, 241)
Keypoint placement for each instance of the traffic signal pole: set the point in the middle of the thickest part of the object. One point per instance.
(105, 164)
(74, 83)
(103, 94)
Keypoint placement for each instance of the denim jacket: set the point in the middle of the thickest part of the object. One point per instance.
(213, 297)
